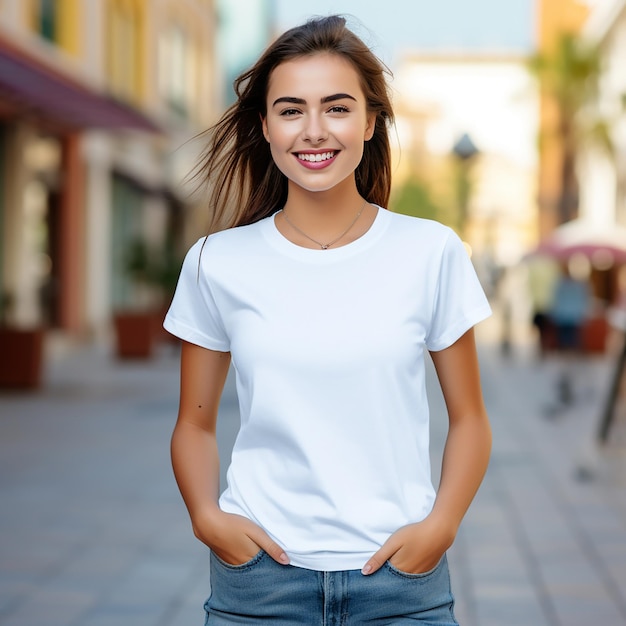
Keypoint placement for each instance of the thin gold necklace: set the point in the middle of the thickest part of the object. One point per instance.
(325, 246)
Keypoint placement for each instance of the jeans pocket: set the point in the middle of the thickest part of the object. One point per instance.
(419, 575)
(241, 566)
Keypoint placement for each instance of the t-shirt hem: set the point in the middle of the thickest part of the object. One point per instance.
(184, 332)
(330, 563)
(446, 340)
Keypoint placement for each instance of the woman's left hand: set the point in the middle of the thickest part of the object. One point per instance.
(414, 549)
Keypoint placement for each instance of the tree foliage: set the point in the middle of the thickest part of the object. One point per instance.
(413, 198)
(569, 75)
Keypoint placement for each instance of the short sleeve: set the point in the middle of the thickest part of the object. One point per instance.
(460, 301)
(193, 315)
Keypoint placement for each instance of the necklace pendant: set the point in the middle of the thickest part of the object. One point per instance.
(325, 246)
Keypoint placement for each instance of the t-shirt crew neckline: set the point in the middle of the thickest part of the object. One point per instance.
(285, 246)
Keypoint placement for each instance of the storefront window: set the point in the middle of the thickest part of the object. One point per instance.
(176, 67)
(127, 206)
(46, 19)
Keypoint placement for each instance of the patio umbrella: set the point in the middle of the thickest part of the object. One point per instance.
(603, 245)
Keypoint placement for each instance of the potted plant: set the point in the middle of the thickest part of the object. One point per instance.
(165, 278)
(153, 271)
(21, 351)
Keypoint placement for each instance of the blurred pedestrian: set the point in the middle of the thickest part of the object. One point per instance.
(570, 308)
(543, 274)
(326, 303)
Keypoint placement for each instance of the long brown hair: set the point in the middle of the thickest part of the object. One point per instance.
(244, 184)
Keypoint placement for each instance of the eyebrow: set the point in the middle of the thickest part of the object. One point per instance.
(325, 100)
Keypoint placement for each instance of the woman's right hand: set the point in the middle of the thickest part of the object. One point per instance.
(236, 539)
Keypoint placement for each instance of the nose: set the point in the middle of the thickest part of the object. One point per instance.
(314, 129)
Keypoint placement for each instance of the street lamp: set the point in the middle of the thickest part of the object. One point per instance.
(464, 151)
(464, 148)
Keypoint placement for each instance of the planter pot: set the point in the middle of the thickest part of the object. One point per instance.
(21, 360)
(594, 335)
(134, 333)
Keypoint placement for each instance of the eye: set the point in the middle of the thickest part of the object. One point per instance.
(339, 108)
(289, 112)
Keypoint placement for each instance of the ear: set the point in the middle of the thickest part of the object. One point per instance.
(370, 127)
(264, 127)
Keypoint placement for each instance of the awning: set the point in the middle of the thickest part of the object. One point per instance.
(604, 245)
(29, 87)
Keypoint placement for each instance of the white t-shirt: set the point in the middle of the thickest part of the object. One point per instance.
(328, 348)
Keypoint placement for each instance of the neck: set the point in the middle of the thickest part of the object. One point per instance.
(325, 219)
(323, 209)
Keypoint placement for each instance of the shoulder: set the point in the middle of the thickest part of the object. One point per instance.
(223, 251)
(230, 242)
(417, 224)
(428, 235)
(237, 236)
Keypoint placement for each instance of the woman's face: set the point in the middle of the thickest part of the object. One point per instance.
(317, 120)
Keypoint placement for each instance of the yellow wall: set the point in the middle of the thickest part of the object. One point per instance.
(141, 7)
(70, 19)
(126, 82)
(556, 16)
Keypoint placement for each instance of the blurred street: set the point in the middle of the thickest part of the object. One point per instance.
(93, 531)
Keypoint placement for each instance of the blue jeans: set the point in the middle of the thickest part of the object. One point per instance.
(262, 591)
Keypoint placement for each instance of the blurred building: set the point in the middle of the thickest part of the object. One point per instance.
(554, 17)
(98, 100)
(491, 100)
(603, 189)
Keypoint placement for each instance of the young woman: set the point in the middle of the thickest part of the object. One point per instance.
(325, 304)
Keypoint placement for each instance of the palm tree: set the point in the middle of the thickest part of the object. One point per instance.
(569, 76)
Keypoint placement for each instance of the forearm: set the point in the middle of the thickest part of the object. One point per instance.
(418, 547)
(195, 461)
(235, 539)
(465, 461)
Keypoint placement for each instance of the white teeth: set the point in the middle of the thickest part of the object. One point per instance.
(324, 156)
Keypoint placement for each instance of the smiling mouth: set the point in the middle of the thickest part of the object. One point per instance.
(316, 158)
